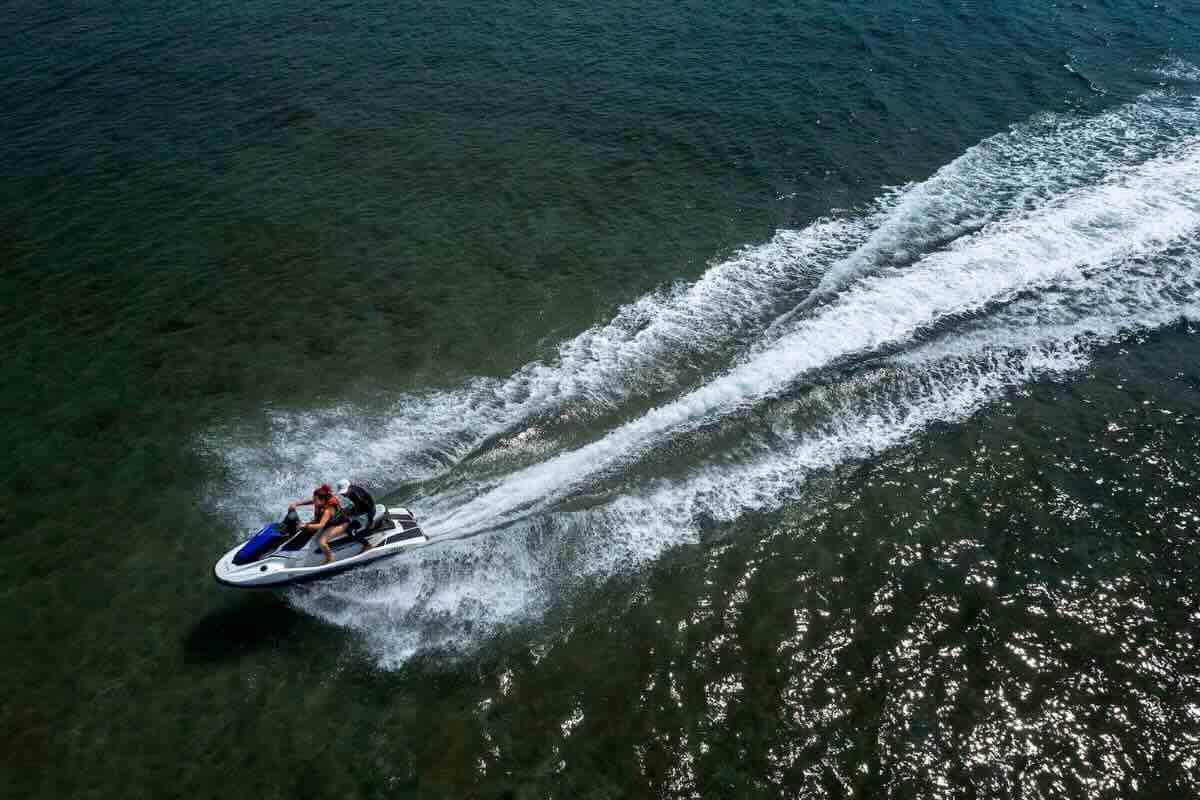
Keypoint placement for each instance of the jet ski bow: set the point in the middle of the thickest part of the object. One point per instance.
(279, 554)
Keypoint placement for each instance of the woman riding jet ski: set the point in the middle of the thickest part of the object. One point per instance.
(348, 512)
(351, 530)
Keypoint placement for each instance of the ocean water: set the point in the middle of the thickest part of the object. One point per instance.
(801, 399)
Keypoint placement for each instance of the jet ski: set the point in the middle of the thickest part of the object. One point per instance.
(283, 553)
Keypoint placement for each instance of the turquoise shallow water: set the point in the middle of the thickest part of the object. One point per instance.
(801, 398)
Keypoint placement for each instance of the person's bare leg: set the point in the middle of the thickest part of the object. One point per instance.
(324, 538)
(323, 543)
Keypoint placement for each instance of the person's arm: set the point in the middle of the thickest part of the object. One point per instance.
(318, 525)
(298, 503)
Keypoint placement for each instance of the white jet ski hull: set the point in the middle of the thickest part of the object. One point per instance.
(394, 532)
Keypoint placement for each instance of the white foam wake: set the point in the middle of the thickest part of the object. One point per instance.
(1136, 211)
(678, 335)
(1012, 264)
(461, 592)
(456, 595)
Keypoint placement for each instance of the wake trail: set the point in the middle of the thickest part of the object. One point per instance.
(823, 347)
(456, 594)
(685, 332)
(1133, 212)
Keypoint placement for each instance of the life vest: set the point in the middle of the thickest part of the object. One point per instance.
(335, 503)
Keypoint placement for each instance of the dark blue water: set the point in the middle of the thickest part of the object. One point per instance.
(801, 398)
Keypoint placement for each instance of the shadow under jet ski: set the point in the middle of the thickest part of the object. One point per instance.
(240, 629)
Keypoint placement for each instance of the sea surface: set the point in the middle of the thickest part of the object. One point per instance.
(802, 399)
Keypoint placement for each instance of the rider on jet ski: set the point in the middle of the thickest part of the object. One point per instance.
(325, 512)
(350, 511)
(357, 504)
